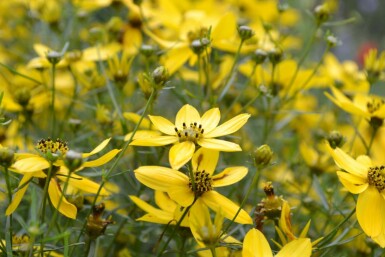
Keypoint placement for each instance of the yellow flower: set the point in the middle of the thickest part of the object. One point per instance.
(182, 190)
(256, 245)
(169, 213)
(189, 130)
(361, 177)
(33, 165)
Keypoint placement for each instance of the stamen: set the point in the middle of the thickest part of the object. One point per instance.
(191, 133)
(376, 177)
(45, 145)
(202, 182)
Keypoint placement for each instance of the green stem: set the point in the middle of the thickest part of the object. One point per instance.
(252, 185)
(231, 74)
(53, 92)
(8, 226)
(120, 155)
(213, 252)
(374, 132)
(44, 201)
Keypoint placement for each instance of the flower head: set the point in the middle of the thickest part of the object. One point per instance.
(189, 130)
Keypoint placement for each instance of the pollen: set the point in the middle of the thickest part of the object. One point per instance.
(57, 146)
(191, 133)
(376, 177)
(203, 182)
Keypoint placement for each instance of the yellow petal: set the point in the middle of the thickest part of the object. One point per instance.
(210, 119)
(380, 240)
(183, 195)
(256, 245)
(155, 141)
(135, 118)
(163, 200)
(217, 202)
(176, 57)
(225, 28)
(205, 159)
(98, 53)
(354, 184)
(229, 126)
(151, 209)
(370, 212)
(161, 178)
(97, 149)
(180, 154)
(200, 220)
(163, 125)
(229, 176)
(300, 247)
(187, 114)
(31, 164)
(103, 159)
(140, 134)
(66, 208)
(345, 103)
(82, 183)
(219, 145)
(23, 185)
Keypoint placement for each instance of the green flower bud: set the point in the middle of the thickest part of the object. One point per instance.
(245, 32)
(22, 96)
(263, 155)
(259, 56)
(6, 157)
(54, 57)
(160, 75)
(275, 55)
(73, 160)
(332, 41)
(322, 13)
(147, 50)
(335, 139)
(199, 45)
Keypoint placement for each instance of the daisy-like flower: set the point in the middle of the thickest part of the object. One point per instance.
(36, 166)
(256, 245)
(184, 191)
(361, 177)
(189, 130)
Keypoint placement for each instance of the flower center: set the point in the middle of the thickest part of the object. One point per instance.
(374, 104)
(191, 133)
(376, 177)
(203, 182)
(45, 145)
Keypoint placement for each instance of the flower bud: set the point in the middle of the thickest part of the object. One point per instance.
(96, 226)
(6, 157)
(322, 13)
(147, 50)
(54, 57)
(245, 32)
(275, 55)
(199, 45)
(259, 56)
(22, 96)
(73, 160)
(332, 41)
(335, 139)
(263, 155)
(160, 75)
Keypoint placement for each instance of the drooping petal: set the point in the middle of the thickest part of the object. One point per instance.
(218, 144)
(256, 245)
(97, 149)
(155, 141)
(180, 154)
(102, 159)
(217, 202)
(82, 183)
(210, 119)
(370, 211)
(161, 178)
(163, 125)
(205, 159)
(229, 126)
(23, 185)
(353, 183)
(187, 114)
(229, 176)
(63, 206)
(300, 247)
(31, 164)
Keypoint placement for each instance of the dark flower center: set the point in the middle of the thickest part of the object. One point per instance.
(191, 133)
(376, 177)
(45, 145)
(202, 182)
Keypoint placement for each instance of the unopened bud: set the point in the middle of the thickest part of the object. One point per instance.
(6, 157)
(199, 45)
(335, 139)
(263, 155)
(275, 55)
(22, 96)
(147, 50)
(259, 56)
(245, 32)
(160, 75)
(73, 160)
(54, 57)
(322, 13)
(332, 41)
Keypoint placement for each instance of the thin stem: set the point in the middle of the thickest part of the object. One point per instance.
(374, 132)
(53, 92)
(8, 226)
(213, 252)
(19, 74)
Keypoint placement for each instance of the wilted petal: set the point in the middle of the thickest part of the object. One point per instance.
(219, 145)
(217, 202)
(256, 245)
(210, 119)
(205, 159)
(187, 114)
(163, 125)
(300, 247)
(66, 208)
(180, 154)
(229, 176)
(229, 126)
(155, 141)
(370, 212)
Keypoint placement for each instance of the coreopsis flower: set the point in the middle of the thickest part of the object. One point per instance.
(190, 130)
(184, 191)
(37, 165)
(169, 211)
(361, 177)
(374, 66)
(256, 245)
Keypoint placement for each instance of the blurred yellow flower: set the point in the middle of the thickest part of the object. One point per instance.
(184, 191)
(189, 130)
